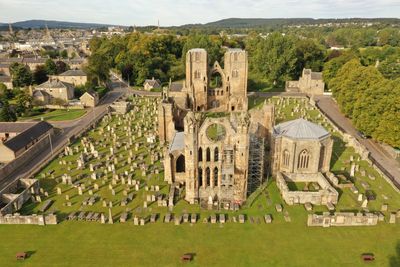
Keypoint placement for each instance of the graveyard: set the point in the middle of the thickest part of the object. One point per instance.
(113, 207)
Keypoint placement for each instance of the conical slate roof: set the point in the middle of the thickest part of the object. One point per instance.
(300, 129)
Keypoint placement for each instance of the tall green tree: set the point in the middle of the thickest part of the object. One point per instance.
(40, 74)
(274, 58)
(21, 75)
(50, 67)
(6, 113)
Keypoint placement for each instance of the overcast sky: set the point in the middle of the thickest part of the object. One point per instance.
(178, 12)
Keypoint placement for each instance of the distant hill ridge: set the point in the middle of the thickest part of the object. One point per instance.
(224, 23)
(55, 24)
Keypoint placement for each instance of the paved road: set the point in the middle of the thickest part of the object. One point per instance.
(378, 153)
(68, 130)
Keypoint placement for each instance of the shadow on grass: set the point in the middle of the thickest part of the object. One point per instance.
(338, 148)
(394, 261)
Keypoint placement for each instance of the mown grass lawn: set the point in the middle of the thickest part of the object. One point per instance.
(231, 244)
(58, 115)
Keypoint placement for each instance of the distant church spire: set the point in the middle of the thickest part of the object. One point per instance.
(10, 28)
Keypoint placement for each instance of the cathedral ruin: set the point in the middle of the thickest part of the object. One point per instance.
(218, 148)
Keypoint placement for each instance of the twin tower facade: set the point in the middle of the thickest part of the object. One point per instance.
(228, 92)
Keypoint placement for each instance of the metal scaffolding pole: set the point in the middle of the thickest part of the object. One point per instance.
(256, 163)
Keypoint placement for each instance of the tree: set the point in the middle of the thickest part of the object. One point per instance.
(309, 55)
(61, 66)
(51, 67)
(23, 101)
(332, 67)
(3, 90)
(6, 113)
(274, 58)
(21, 75)
(64, 54)
(211, 44)
(40, 74)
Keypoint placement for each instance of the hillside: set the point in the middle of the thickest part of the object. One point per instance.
(277, 22)
(54, 24)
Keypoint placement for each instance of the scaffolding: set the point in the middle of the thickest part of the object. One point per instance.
(256, 163)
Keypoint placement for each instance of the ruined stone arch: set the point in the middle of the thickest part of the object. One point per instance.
(208, 154)
(200, 176)
(180, 164)
(200, 154)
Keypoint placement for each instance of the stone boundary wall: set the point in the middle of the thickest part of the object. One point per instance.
(342, 219)
(360, 149)
(16, 201)
(326, 194)
(29, 219)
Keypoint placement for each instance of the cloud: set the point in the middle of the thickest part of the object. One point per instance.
(178, 12)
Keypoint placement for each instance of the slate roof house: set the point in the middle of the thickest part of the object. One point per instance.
(19, 137)
(151, 84)
(56, 89)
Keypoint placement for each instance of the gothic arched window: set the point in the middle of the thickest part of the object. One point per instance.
(304, 158)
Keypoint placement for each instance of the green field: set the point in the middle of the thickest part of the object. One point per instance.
(232, 244)
(58, 115)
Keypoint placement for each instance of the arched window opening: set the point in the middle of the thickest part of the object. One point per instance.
(180, 164)
(200, 176)
(304, 158)
(235, 74)
(208, 176)
(216, 154)
(197, 74)
(286, 158)
(200, 155)
(215, 176)
(215, 80)
(208, 154)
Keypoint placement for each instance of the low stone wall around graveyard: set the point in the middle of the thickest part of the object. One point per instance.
(16, 201)
(359, 148)
(327, 194)
(342, 219)
(29, 219)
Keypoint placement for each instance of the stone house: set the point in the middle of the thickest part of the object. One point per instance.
(89, 99)
(56, 89)
(74, 77)
(151, 84)
(310, 83)
(18, 137)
